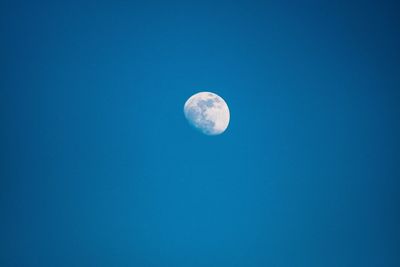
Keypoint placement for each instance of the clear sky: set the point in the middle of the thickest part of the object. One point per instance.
(100, 168)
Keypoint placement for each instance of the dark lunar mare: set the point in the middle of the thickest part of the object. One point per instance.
(197, 116)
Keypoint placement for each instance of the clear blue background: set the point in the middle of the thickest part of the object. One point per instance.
(100, 168)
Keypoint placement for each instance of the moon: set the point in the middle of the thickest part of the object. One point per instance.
(207, 112)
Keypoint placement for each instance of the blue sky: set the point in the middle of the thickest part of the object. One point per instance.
(100, 168)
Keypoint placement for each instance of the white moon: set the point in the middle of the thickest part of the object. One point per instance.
(207, 112)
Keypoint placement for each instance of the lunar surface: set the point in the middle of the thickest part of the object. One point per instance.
(207, 112)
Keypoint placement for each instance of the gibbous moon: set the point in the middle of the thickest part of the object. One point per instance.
(207, 112)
